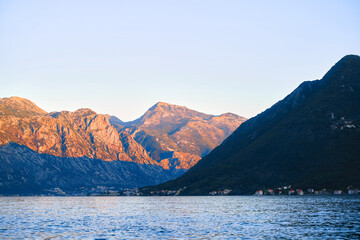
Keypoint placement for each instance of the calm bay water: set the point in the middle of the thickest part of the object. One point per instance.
(218, 217)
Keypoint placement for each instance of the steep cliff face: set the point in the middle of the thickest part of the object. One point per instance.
(177, 136)
(64, 134)
(82, 149)
(135, 151)
(167, 135)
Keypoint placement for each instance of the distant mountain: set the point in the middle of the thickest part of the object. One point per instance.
(24, 171)
(83, 136)
(166, 135)
(64, 134)
(176, 136)
(19, 107)
(311, 138)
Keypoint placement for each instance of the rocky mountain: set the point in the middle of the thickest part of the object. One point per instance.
(19, 107)
(176, 136)
(166, 135)
(64, 134)
(83, 138)
(24, 171)
(310, 139)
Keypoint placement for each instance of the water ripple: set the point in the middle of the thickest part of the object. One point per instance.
(238, 217)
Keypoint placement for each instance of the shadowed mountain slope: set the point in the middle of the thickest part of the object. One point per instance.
(23, 171)
(83, 138)
(311, 138)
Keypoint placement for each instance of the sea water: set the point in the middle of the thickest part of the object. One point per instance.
(208, 217)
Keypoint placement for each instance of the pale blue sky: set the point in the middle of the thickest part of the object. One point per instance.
(121, 57)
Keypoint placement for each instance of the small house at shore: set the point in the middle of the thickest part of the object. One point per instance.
(353, 191)
(291, 192)
(300, 192)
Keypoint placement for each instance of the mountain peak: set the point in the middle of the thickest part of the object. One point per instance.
(308, 139)
(228, 114)
(165, 112)
(343, 75)
(84, 112)
(20, 107)
(350, 58)
(347, 63)
(20, 99)
(164, 105)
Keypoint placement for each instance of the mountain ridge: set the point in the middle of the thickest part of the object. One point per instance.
(95, 148)
(177, 136)
(83, 132)
(20, 107)
(308, 139)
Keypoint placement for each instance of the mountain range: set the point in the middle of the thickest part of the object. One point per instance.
(310, 139)
(176, 136)
(169, 139)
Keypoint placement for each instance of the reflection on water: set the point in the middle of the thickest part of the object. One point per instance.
(181, 217)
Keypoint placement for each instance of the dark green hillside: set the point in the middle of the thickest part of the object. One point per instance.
(309, 139)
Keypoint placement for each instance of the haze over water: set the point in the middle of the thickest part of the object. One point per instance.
(231, 217)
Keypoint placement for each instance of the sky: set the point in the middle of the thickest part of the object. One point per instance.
(121, 57)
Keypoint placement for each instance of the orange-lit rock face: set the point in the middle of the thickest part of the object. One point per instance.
(19, 107)
(86, 133)
(65, 134)
(181, 136)
(182, 160)
(135, 151)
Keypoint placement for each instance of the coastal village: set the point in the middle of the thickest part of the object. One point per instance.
(112, 191)
(288, 190)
